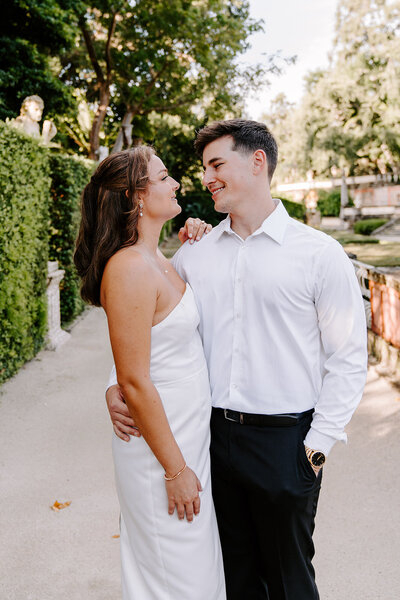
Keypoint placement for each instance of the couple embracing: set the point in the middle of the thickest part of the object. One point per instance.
(258, 329)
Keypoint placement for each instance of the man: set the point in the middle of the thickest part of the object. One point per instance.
(283, 329)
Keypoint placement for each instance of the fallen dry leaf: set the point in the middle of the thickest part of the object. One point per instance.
(115, 536)
(57, 506)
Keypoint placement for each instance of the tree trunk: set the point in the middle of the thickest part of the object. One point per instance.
(98, 120)
(119, 142)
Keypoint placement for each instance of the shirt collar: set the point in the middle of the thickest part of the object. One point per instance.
(274, 225)
(223, 227)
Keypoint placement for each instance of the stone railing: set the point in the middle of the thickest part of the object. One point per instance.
(363, 275)
(381, 293)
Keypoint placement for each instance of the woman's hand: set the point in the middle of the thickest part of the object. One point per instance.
(183, 493)
(193, 230)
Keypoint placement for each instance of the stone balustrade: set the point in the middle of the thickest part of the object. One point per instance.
(381, 293)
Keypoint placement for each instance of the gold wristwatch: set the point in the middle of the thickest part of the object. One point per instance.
(315, 457)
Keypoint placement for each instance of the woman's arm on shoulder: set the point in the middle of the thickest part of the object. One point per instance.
(193, 230)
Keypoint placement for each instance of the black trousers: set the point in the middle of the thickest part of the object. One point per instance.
(265, 494)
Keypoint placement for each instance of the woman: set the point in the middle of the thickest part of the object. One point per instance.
(152, 319)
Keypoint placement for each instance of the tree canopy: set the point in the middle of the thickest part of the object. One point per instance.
(121, 60)
(33, 33)
(349, 116)
(137, 57)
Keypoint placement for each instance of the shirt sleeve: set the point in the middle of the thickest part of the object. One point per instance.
(342, 324)
(177, 262)
(112, 380)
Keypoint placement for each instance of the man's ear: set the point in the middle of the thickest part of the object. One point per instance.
(259, 161)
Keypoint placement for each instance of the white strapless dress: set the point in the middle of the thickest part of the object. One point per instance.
(162, 557)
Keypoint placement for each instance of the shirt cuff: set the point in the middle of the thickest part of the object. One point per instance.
(321, 442)
(112, 380)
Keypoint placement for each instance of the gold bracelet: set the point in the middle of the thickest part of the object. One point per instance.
(176, 475)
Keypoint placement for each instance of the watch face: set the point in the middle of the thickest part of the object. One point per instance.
(318, 459)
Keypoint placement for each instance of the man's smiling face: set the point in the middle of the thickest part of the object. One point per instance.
(227, 174)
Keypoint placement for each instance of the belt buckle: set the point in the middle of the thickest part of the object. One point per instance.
(233, 420)
(226, 415)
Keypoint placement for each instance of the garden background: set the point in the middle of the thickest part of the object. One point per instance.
(115, 73)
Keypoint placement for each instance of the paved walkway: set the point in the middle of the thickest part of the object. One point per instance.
(55, 445)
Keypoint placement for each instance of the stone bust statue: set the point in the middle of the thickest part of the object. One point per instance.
(29, 117)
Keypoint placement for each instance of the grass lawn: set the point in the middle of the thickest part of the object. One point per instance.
(368, 249)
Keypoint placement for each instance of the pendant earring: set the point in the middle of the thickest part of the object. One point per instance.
(140, 209)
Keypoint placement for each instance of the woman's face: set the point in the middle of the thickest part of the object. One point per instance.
(160, 199)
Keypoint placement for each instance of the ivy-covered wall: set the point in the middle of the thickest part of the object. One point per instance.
(69, 176)
(24, 214)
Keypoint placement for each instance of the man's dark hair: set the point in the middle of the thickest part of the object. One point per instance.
(248, 136)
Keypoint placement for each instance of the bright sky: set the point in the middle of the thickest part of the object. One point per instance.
(301, 27)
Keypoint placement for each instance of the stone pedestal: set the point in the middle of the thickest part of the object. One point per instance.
(55, 335)
(313, 217)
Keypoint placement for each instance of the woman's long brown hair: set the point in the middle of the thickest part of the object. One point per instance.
(110, 213)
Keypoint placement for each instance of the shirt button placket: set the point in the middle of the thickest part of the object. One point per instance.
(237, 323)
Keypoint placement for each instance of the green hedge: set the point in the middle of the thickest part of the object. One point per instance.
(24, 201)
(197, 203)
(295, 209)
(39, 216)
(329, 203)
(367, 226)
(69, 176)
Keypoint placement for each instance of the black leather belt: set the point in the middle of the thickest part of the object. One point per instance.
(284, 420)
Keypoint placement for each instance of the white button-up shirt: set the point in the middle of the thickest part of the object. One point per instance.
(282, 322)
